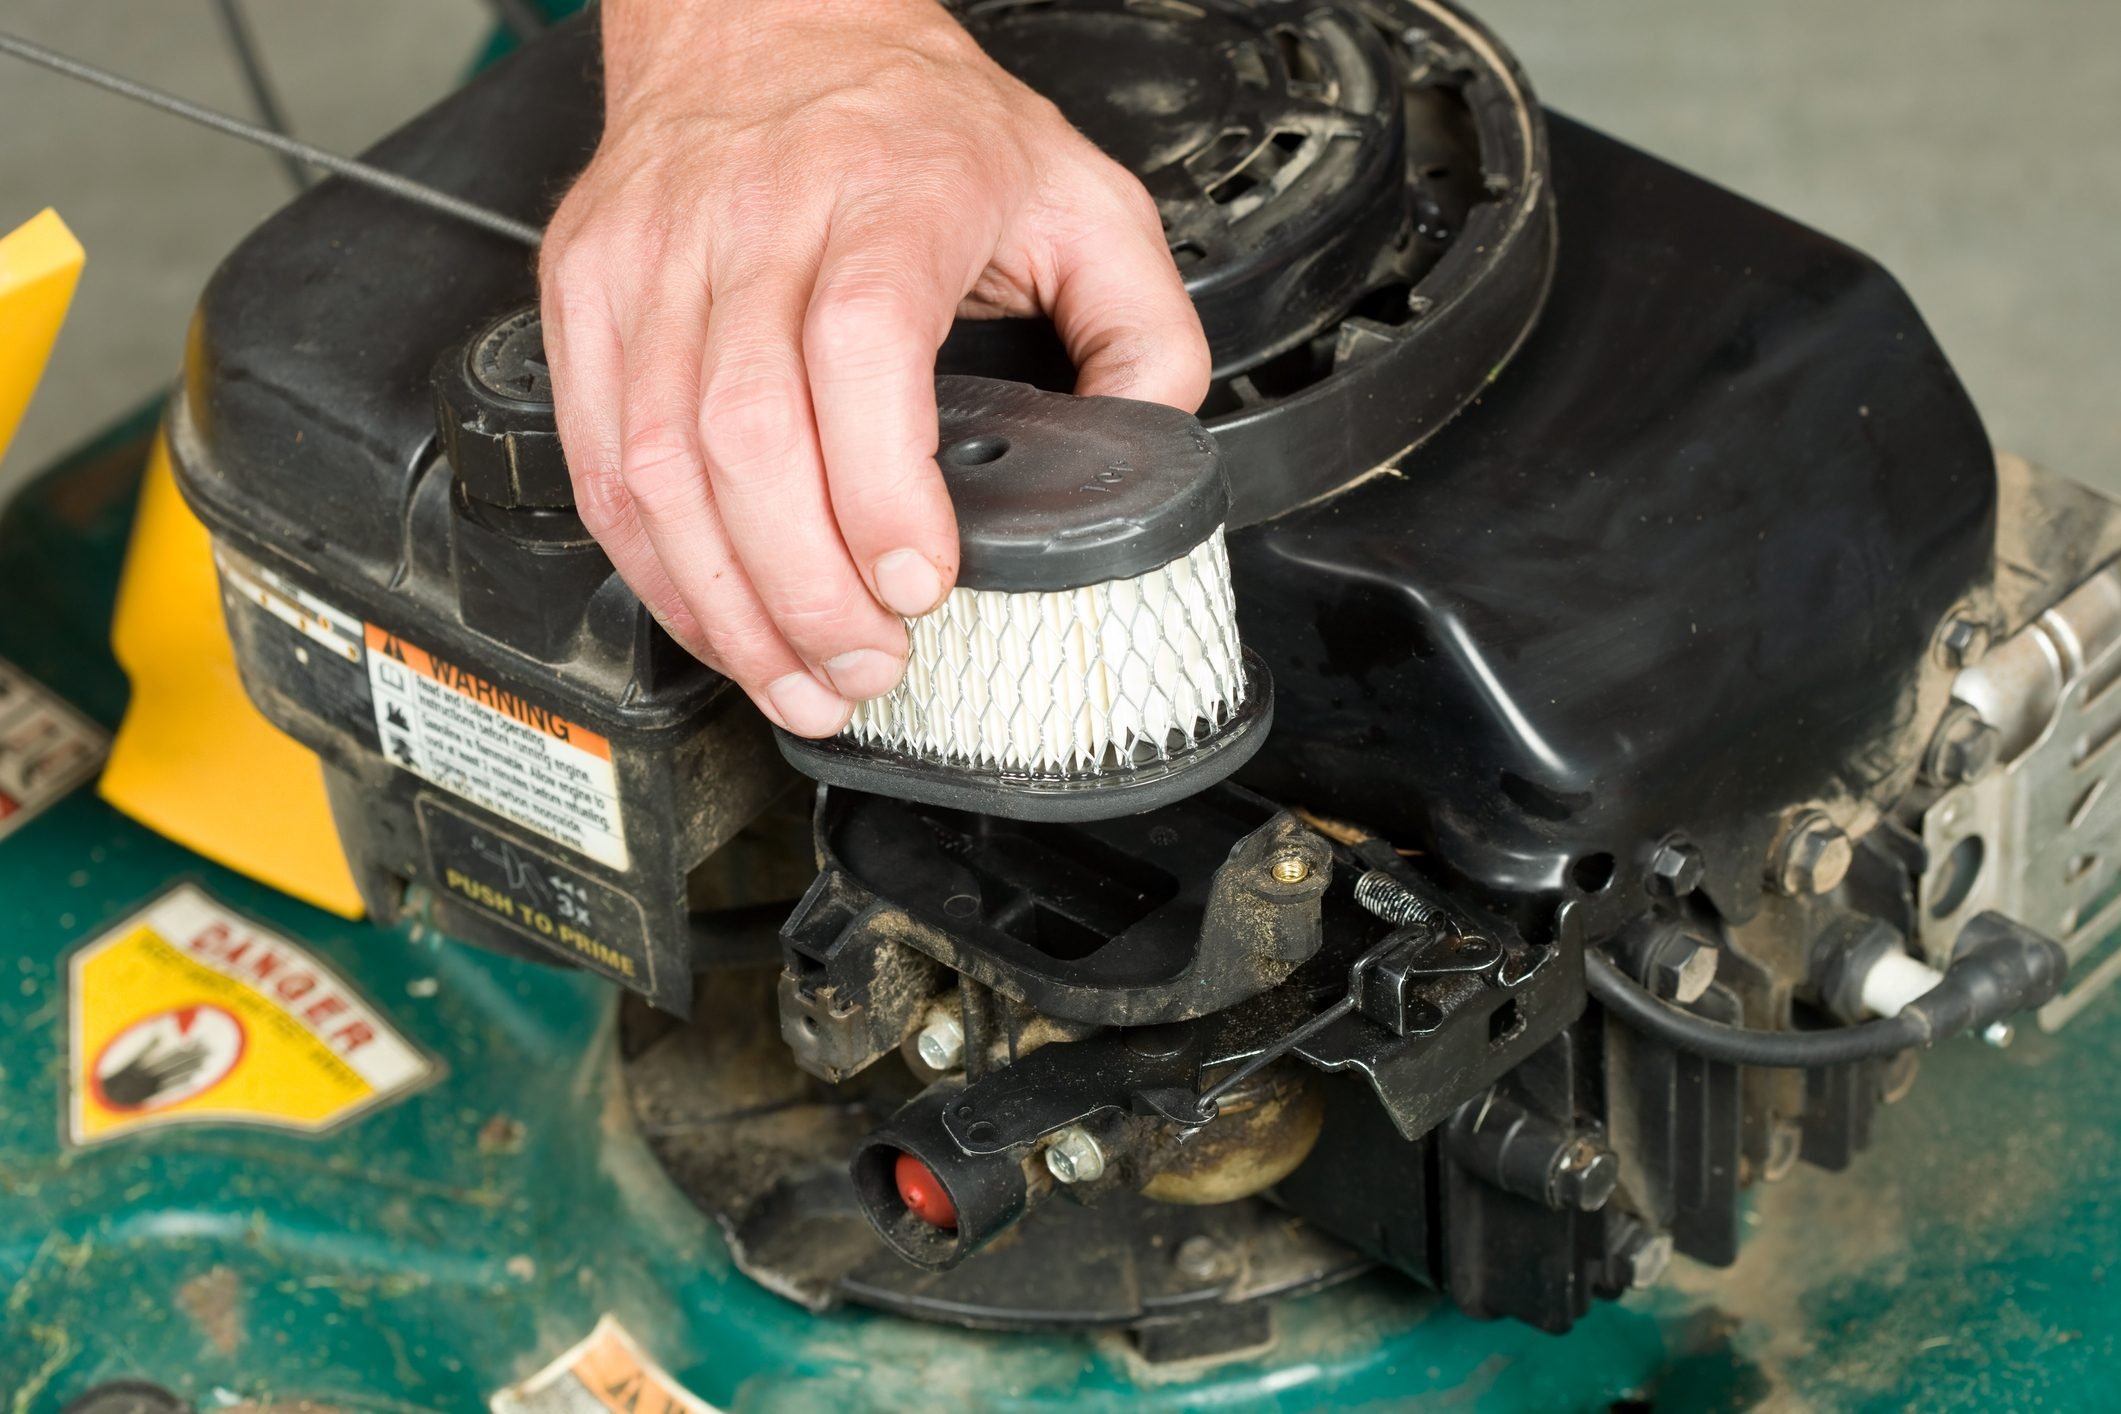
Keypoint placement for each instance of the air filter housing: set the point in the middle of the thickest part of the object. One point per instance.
(1087, 664)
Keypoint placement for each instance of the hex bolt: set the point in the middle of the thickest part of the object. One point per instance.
(1785, 1146)
(1682, 968)
(1815, 856)
(1291, 868)
(1675, 870)
(1963, 748)
(1648, 1260)
(1588, 1174)
(1072, 1156)
(1962, 641)
(1199, 1258)
(1999, 1034)
(941, 1043)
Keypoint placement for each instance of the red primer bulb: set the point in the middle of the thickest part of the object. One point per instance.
(922, 1193)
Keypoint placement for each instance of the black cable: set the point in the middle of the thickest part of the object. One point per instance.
(1999, 967)
(262, 97)
(404, 188)
(1640, 1010)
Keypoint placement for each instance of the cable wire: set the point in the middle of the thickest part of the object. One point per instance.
(404, 188)
(244, 46)
(1642, 1011)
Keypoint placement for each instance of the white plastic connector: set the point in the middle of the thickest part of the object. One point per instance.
(1894, 980)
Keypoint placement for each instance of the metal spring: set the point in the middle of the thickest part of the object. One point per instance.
(1398, 904)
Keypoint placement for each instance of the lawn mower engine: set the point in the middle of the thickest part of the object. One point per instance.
(1659, 713)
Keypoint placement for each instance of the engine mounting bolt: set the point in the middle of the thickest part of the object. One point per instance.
(1588, 1174)
(1675, 870)
(1962, 641)
(941, 1044)
(1681, 968)
(1291, 868)
(1072, 1156)
(1815, 857)
(1199, 1258)
(1649, 1260)
(1963, 749)
(1999, 1034)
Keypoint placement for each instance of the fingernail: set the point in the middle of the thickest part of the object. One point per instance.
(864, 673)
(908, 583)
(806, 706)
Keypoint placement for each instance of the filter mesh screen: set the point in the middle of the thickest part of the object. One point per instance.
(1068, 683)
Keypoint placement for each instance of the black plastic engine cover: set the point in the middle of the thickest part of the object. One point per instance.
(1676, 570)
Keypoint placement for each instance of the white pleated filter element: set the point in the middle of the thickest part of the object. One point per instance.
(1070, 683)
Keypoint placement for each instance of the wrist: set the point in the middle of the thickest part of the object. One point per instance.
(652, 44)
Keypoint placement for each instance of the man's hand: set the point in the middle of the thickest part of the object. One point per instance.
(744, 296)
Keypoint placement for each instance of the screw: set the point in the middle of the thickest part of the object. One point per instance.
(1815, 857)
(1962, 641)
(1072, 1156)
(2000, 1034)
(1675, 870)
(1681, 968)
(1648, 1260)
(1587, 1176)
(1785, 1144)
(1291, 868)
(1199, 1258)
(1964, 748)
(941, 1044)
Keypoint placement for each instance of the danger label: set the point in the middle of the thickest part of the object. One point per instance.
(46, 749)
(190, 1014)
(488, 744)
(605, 1374)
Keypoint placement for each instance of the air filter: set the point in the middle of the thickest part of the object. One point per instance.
(1087, 664)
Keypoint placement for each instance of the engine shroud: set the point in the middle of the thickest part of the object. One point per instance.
(1544, 580)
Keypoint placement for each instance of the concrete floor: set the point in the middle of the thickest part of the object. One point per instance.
(1974, 147)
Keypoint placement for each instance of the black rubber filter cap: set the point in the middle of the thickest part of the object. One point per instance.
(1056, 492)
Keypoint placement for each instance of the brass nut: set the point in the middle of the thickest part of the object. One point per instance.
(1291, 868)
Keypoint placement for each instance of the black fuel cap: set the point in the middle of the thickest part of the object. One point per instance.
(1057, 492)
(493, 408)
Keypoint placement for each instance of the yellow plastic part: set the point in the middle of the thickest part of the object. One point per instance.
(40, 262)
(193, 759)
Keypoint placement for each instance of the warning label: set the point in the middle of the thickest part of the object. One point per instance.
(489, 745)
(605, 1374)
(46, 749)
(188, 1014)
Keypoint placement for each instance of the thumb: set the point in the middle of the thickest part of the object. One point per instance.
(1124, 313)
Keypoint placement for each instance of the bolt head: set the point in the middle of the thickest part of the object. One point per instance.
(1683, 969)
(1587, 1177)
(1962, 641)
(1199, 1258)
(1816, 856)
(1675, 870)
(1999, 1034)
(1290, 868)
(941, 1044)
(1072, 1156)
(1648, 1260)
(1964, 749)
